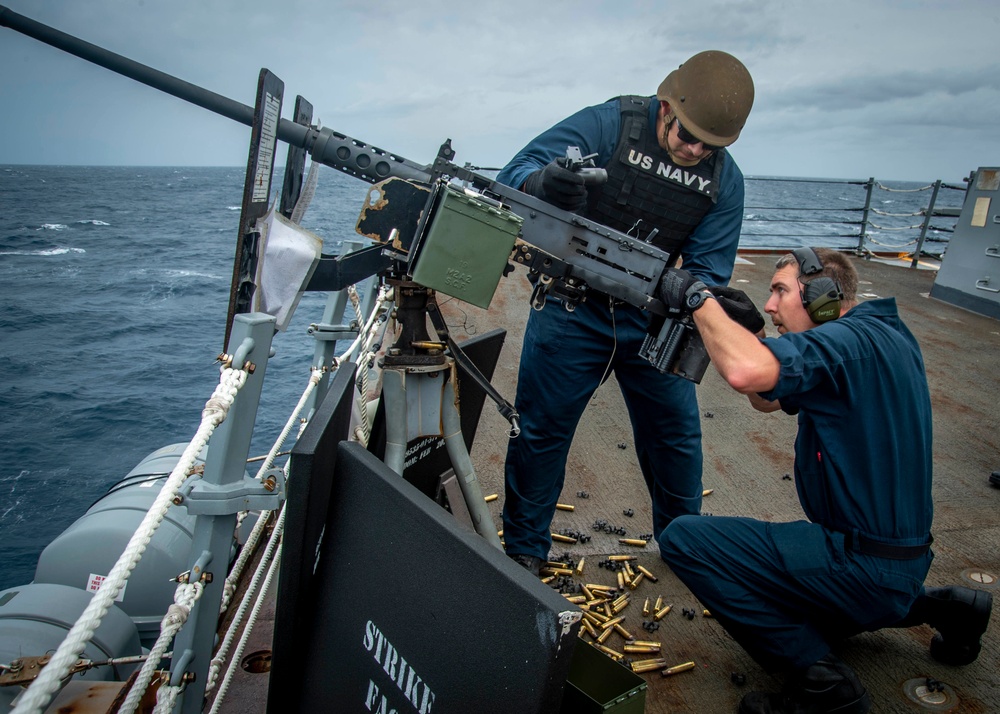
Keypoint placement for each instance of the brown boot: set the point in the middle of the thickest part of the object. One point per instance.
(828, 686)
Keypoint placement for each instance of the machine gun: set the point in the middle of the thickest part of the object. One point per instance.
(569, 254)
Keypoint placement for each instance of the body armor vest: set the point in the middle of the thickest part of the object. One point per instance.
(645, 191)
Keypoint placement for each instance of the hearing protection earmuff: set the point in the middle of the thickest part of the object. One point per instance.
(820, 296)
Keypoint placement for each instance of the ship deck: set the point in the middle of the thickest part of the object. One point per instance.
(747, 458)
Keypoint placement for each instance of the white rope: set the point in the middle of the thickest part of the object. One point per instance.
(900, 228)
(40, 693)
(185, 597)
(903, 190)
(166, 698)
(890, 245)
(897, 215)
(250, 592)
(238, 654)
(314, 379)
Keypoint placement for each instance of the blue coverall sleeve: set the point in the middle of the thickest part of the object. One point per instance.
(593, 129)
(710, 252)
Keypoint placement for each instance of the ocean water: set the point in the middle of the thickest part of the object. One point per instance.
(114, 286)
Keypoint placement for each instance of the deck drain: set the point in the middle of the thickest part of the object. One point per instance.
(939, 699)
(980, 577)
(258, 662)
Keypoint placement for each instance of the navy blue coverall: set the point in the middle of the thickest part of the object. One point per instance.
(863, 466)
(567, 355)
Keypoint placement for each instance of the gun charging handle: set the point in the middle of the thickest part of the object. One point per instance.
(585, 166)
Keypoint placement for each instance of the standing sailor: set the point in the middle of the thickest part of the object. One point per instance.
(672, 183)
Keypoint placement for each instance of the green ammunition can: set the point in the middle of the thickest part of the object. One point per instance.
(466, 247)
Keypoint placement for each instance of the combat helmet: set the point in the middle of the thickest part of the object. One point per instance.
(711, 94)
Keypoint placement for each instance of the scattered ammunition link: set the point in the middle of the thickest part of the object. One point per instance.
(565, 507)
(660, 614)
(646, 536)
(628, 512)
(738, 679)
(650, 626)
(492, 497)
(632, 541)
(648, 665)
(677, 668)
(582, 494)
(649, 575)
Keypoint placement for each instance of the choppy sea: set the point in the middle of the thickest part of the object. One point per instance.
(114, 286)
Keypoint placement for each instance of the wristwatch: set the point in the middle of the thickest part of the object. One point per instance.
(697, 299)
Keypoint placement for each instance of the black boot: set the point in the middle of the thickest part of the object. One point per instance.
(826, 687)
(532, 563)
(960, 616)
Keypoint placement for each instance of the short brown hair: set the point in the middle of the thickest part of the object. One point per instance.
(836, 265)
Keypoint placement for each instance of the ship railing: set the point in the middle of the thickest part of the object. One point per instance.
(190, 592)
(774, 218)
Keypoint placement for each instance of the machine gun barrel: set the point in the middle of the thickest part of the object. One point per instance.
(559, 244)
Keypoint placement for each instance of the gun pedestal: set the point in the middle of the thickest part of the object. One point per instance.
(418, 388)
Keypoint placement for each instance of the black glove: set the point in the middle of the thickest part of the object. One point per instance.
(558, 185)
(676, 286)
(739, 307)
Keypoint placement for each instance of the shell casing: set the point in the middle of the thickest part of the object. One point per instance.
(620, 603)
(706, 613)
(576, 599)
(621, 580)
(587, 591)
(608, 610)
(623, 632)
(565, 507)
(659, 603)
(561, 538)
(492, 497)
(627, 567)
(646, 643)
(645, 608)
(649, 575)
(548, 579)
(634, 582)
(598, 616)
(678, 668)
(610, 652)
(557, 571)
(616, 558)
(640, 649)
(597, 586)
(579, 567)
(648, 665)
(603, 637)
(500, 533)
(707, 492)
(589, 628)
(613, 621)
(632, 541)
(660, 614)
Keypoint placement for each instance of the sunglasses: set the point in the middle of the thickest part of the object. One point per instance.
(689, 138)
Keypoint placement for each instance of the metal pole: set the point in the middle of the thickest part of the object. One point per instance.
(864, 215)
(928, 212)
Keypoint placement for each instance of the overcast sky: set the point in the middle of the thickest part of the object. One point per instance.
(895, 89)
